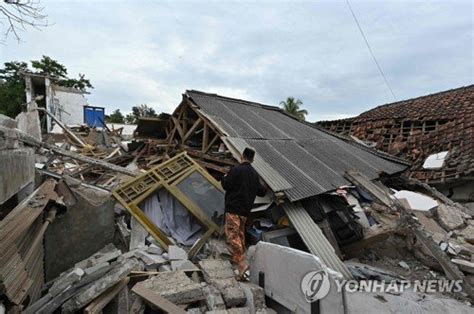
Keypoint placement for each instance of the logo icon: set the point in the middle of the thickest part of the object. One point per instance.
(315, 285)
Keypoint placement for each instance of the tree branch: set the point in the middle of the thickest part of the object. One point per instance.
(20, 14)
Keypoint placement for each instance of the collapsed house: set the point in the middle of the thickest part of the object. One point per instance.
(435, 132)
(333, 205)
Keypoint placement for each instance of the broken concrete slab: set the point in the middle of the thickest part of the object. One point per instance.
(176, 253)
(450, 217)
(154, 249)
(255, 296)
(90, 292)
(220, 274)
(216, 269)
(183, 265)
(150, 259)
(174, 286)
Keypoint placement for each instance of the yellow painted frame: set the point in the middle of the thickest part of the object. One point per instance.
(167, 175)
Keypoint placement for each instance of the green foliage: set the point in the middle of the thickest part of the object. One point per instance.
(12, 95)
(11, 71)
(140, 111)
(50, 66)
(292, 107)
(12, 88)
(130, 118)
(59, 72)
(116, 117)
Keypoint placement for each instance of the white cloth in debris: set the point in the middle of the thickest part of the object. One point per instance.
(172, 217)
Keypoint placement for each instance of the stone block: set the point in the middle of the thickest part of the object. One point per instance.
(231, 291)
(176, 253)
(220, 274)
(450, 217)
(468, 232)
(175, 286)
(214, 298)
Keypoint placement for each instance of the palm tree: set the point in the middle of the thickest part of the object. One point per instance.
(292, 107)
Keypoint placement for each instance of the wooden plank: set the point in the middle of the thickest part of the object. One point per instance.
(374, 190)
(199, 243)
(178, 127)
(65, 128)
(211, 143)
(192, 129)
(101, 301)
(157, 300)
(205, 137)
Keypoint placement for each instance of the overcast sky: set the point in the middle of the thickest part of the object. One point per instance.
(150, 52)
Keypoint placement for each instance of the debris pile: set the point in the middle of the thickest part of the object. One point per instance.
(128, 226)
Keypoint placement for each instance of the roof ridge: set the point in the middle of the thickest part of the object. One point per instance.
(246, 102)
(416, 98)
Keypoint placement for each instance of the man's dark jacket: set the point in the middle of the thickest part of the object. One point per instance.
(242, 185)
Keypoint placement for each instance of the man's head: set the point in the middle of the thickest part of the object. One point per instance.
(248, 154)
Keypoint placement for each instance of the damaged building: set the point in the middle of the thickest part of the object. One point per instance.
(99, 223)
(434, 132)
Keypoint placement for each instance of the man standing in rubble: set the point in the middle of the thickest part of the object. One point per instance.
(242, 185)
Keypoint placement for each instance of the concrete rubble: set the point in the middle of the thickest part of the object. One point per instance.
(91, 222)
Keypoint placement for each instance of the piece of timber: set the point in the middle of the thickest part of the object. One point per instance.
(27, 139)
(101, 301)
(157, 300)
(65, 128)
(364, 182)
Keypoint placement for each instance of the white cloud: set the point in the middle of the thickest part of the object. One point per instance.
(262, 51)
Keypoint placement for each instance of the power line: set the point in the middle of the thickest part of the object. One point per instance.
(370, 50)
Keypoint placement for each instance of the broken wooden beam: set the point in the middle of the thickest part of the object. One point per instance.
(29, 140)
(64, 127)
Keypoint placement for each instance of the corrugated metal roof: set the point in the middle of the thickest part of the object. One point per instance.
(273, 179)
(314, 238)
(303, 160)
